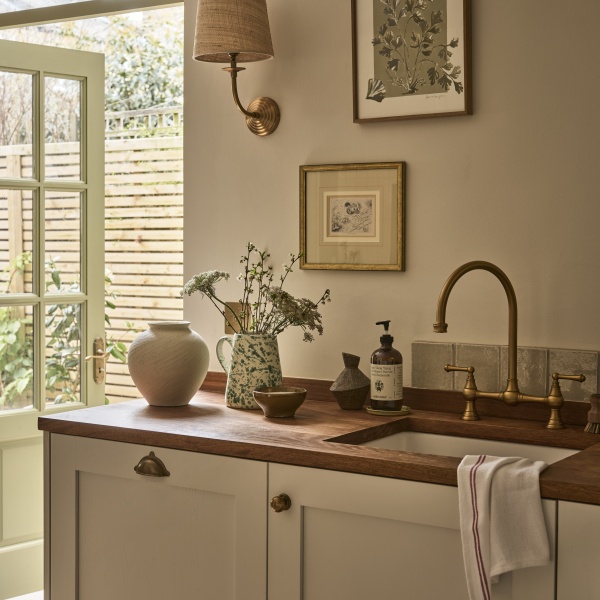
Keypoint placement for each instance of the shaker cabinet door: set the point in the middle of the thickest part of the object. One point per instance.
(578, 550)
(198, 533)
(356, 536)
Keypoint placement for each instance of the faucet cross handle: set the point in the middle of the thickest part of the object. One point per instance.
(469, 392)
(555, 399)
(557, 376)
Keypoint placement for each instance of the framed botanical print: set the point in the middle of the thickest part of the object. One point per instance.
(410, 59)
(352, 216)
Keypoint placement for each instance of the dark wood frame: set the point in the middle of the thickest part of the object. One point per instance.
(468, 103)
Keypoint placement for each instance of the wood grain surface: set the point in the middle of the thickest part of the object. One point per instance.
(321, 435)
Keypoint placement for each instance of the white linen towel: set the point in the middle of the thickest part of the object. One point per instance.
(501, 519)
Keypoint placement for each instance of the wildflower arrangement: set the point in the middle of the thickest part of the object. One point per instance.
(266, 307)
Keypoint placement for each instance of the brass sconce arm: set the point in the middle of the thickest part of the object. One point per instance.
(262, 116)
(233, 70)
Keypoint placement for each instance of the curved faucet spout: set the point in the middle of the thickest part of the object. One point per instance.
(440, 326)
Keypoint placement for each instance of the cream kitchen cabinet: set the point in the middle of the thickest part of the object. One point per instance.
(355, 536)
(578, 577)
(199, 533)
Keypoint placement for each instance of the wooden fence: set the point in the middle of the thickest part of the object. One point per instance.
(144, 232)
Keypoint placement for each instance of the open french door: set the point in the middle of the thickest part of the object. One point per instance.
(51, 275)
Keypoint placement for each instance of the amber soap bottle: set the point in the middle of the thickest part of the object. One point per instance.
(386, 374)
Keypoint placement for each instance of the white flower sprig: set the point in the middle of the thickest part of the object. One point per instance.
(266, 308)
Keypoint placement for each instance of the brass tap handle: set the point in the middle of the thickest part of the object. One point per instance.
(469, 392)
(469, 370)
(281, 503)
(580, 378)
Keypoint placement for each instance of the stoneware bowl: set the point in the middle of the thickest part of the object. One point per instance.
(279, 401)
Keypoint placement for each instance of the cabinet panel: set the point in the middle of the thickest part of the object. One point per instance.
(133, 535)
(199, 533)
(579, 549)
(354, 536)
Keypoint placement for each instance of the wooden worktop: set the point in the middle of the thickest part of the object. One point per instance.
(321, 435)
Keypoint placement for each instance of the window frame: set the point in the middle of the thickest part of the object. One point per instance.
(78, 10)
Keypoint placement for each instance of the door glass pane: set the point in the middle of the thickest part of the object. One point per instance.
(62, 123)
(63, 353)
(16, 357)
(63, 241)
(16, 124)
(16, 241)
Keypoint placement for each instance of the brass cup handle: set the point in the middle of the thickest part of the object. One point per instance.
(151, 466)
(281, 503)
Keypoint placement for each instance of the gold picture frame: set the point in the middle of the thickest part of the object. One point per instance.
(352, 216)
(411, 59)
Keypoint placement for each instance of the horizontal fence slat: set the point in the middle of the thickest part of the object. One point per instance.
(143, 231)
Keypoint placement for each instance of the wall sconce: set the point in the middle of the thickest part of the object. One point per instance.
(237, 31)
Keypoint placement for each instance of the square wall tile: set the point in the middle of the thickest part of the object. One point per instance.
(573, 362)
(428, 362)
(532, 370)
(486, 360)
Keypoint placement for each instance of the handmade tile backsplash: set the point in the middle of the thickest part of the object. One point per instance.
(534, 368)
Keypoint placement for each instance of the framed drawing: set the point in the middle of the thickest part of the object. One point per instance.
(352, 217)
(410, 59)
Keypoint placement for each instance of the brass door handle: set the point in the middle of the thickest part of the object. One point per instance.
(100, 356)
(281, 503)
(151, 466)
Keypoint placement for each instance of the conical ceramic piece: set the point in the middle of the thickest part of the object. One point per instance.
(352, 386)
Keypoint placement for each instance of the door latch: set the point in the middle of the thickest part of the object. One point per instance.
(99, 357)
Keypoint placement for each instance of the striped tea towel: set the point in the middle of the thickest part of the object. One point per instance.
(501, 520)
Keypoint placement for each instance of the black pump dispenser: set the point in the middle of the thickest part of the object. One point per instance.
(386, 374)
(386, 339)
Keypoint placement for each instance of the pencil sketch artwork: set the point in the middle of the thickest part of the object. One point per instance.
(351, 216)
(411, 51)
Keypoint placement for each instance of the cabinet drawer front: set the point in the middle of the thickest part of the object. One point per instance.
(199, 531)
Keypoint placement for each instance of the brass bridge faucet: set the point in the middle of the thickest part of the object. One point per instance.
(511, 395)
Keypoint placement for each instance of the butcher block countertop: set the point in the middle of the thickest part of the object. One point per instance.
(323, 436)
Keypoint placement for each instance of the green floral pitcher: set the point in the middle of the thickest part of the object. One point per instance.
(254, 362)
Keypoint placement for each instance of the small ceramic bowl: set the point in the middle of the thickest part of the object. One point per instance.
(279, 401)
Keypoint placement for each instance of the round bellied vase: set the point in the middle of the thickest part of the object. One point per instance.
(168, 363)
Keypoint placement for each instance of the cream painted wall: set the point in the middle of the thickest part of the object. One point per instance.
(516, 183)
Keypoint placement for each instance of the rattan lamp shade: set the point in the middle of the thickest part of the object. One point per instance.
(232, 26)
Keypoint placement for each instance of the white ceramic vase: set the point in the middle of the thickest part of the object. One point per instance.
(168, 363)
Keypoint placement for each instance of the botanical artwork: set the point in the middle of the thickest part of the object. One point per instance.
(350, 216)
(411, 51)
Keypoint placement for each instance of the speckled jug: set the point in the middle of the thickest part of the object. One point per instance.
(254, 362)
(168, 363)
(352, 386)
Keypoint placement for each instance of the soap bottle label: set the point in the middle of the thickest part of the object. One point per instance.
(386, 382)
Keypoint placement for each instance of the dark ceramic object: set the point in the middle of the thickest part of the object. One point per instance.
(280, 401)
(352, 386)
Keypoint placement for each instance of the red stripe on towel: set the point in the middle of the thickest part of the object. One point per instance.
(475, 529)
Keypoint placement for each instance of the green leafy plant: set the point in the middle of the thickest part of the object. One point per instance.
(410, 42)
(62, 342)
(266, 308)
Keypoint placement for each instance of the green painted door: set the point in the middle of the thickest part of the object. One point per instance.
(51, 274)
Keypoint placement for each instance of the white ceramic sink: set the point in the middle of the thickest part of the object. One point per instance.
(448, 445)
